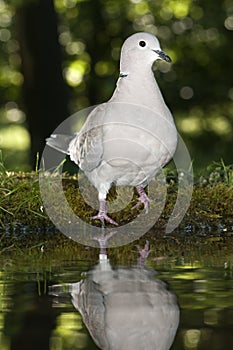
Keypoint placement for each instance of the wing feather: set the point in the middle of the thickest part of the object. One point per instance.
(86, 149)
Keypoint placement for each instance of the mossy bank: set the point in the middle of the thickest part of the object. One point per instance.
(22, 213)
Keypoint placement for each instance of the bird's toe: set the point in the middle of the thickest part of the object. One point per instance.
(104, 218)
(145, 201)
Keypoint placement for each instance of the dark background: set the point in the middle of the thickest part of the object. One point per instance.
(60, 56)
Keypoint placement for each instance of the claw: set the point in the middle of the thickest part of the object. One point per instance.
(142, 199)
(102, 214)
(103, 241)
(143, 253)
(104, 217)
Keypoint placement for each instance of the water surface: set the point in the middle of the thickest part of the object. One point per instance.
(37, 309)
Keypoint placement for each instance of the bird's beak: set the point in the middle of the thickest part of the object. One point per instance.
(163, 55)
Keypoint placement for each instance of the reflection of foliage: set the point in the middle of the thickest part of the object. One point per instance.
(196, 34)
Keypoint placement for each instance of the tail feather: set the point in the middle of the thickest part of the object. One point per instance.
(59, 142)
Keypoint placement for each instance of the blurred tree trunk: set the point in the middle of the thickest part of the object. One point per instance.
(45, 92)
(96, 46)
(97, 41)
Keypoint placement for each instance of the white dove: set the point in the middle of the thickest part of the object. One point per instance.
(128, 139)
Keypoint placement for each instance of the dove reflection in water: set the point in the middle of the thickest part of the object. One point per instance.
(126, 308)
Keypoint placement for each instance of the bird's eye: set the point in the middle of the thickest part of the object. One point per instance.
(142, 43)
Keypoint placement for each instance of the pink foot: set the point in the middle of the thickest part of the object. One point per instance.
(143, 253)
(103, 241)
(102, 214)
(142, 199)
(104, 217)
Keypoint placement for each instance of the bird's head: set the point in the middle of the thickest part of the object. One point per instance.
(141, 49)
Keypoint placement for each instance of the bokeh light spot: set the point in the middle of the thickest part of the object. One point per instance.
(186, 92)
(103, 68)
(192, 338)
(228, 23)
(5, 34)
(75, 72)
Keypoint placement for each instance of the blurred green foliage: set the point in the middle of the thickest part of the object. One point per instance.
(197, 86)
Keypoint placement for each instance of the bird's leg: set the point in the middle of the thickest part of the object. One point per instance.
(103, 241)
(142, 199)
(143, 253)
(102, 214)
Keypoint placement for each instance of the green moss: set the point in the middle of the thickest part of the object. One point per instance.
(20, 200)
(22, 211)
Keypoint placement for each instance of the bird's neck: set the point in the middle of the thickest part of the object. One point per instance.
(133, 87)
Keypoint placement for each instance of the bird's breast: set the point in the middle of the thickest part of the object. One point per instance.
(137, 134)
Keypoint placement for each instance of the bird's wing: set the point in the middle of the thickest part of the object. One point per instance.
(86, 149)
(88, 299)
